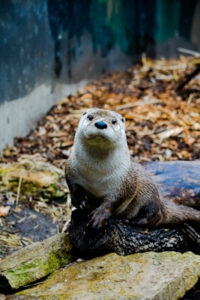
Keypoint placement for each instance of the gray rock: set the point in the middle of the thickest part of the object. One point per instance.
(158, 276)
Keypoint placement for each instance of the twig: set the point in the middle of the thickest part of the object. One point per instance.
(188, 78)
(18, 190)
(188, 51)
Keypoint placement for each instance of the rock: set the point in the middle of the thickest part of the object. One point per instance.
(34, 261)
(178, 181)
(32, 175)
(151, 275)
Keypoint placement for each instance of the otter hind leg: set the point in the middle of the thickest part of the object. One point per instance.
(149, 214)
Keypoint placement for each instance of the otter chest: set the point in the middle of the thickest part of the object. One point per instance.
(98, 183)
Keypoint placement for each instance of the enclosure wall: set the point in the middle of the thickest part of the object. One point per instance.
(49, 48)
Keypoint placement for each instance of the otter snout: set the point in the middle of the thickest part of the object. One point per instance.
(101, 125)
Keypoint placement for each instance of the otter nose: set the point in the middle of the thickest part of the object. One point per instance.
(101, 125)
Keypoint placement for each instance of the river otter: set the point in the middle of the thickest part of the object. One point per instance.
(102, 175)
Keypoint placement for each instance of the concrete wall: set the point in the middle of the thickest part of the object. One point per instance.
(49, 48)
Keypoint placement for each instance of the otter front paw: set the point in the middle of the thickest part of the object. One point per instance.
(99, 217)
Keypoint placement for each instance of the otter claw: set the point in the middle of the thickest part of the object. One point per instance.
(99, 218)
(82, 205)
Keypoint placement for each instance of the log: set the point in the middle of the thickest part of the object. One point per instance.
(120, 237)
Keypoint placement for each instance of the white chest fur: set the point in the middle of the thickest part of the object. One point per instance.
(100, 175)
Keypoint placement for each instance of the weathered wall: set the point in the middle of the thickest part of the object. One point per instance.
(49, 48)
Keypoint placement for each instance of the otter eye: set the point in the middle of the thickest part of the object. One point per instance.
(90, 117)
(122, 119)
(84, 113)
(114, 122)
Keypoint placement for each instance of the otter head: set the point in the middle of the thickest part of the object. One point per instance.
(101, 128)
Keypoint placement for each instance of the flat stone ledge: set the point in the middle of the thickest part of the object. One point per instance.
(151, 276)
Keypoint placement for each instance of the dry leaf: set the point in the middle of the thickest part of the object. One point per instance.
(170, 132)
(4, 210)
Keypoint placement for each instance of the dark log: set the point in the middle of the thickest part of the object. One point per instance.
(120, 237)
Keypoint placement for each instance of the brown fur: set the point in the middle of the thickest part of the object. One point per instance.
(101, 175)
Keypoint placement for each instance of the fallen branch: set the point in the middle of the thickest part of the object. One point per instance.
(189, 51)
(188, 77)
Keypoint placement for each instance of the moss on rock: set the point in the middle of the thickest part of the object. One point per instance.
(35, 261)
(33, 175)
(150, 275)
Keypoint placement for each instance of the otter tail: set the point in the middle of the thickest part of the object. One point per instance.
(174, 213)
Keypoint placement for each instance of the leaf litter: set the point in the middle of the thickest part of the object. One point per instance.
(162, 123)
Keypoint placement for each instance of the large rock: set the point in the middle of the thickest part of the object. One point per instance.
(166, 275)
(177, 180)
(32, 175)
(34, 262)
